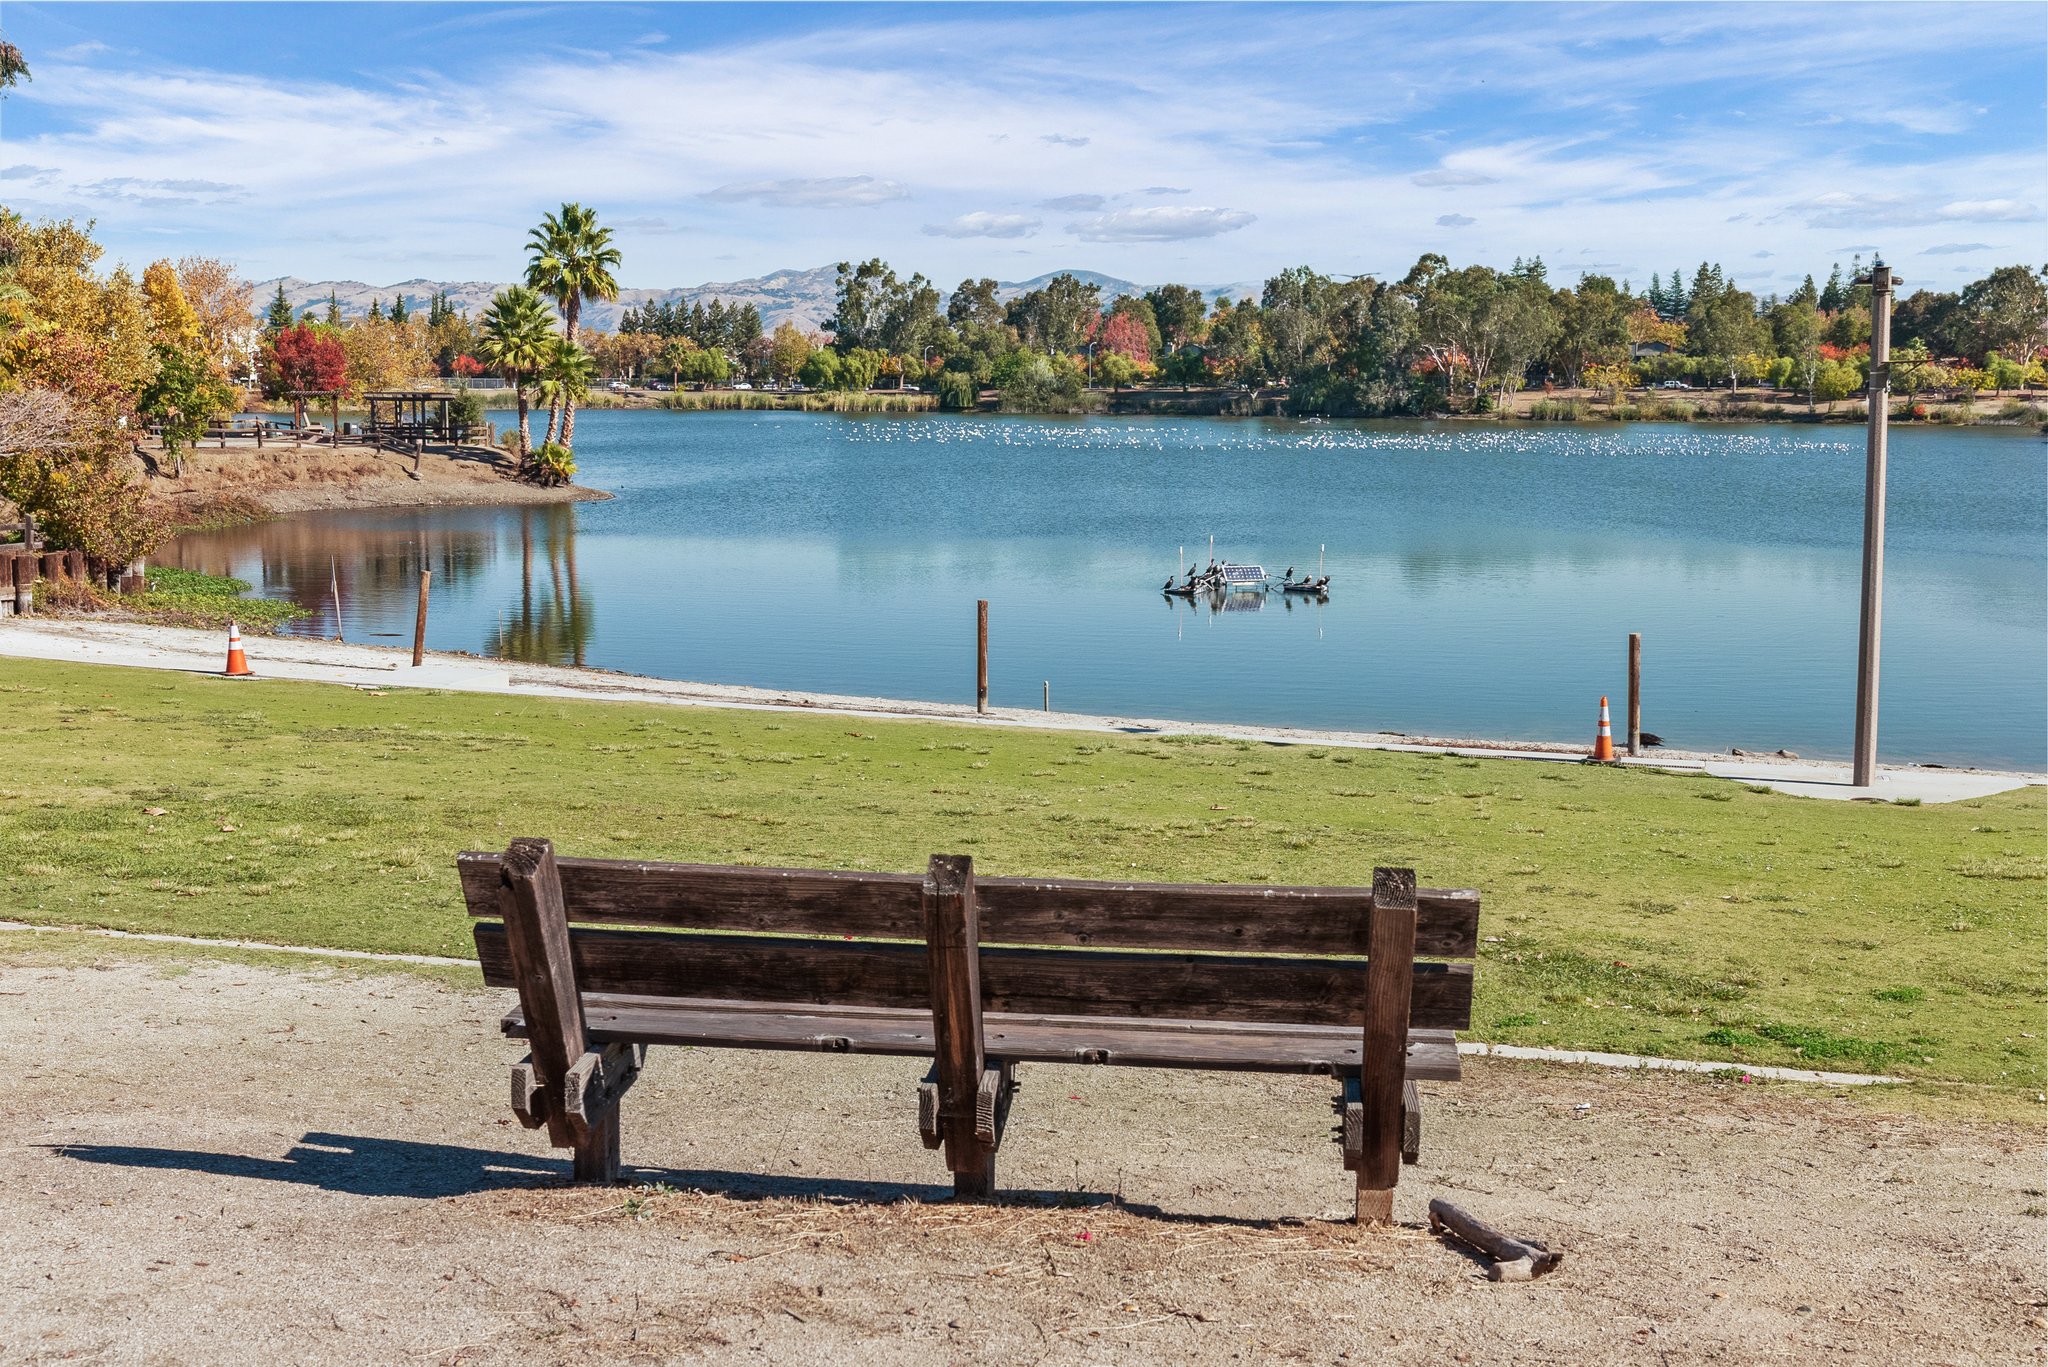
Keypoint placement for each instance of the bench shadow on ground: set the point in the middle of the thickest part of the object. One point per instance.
(362, 1165)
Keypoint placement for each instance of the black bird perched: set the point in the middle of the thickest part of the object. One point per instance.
(1649, 738)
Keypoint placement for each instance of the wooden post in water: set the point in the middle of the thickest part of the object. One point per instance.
(981, 655)
(1880, 281)
(1635, 692)
(419, 623)
(334, 586)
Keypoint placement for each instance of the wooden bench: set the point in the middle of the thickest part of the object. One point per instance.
(977, 975)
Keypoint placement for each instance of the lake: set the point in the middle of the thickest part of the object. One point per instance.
(1484, 579)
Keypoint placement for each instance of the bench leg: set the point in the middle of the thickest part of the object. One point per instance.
(1383, 1063)
(597, 1154)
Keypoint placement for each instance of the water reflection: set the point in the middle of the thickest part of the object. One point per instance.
(1478, 588)
(554, 622)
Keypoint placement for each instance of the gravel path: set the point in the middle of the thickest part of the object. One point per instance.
(221, 1163)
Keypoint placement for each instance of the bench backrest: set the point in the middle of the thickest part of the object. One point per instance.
(1211, 952)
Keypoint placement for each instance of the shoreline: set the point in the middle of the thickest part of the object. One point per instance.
(223, 486)
(305, 659)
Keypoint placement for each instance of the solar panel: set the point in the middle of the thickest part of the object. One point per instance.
(1244, 574)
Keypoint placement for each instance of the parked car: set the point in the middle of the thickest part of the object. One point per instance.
(741, 384)
(1673, 384)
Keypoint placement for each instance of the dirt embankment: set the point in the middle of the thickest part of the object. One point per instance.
(227, 1163)
(282, 478)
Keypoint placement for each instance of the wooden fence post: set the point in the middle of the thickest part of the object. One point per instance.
(419, 624)
(1389, 985)
(1635, 692)
(981, 655)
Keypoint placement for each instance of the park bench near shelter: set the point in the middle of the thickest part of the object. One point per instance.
(978, 975)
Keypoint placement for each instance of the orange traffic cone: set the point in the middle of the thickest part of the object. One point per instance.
(1603, 741)
(238, 663)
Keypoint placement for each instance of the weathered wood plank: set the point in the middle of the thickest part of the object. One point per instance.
(1387, 1014)
(538, 960)
(1015, 981)
(1331, 1051)
(1015, 911)
(953, 964)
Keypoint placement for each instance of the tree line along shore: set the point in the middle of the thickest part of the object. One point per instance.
(91, 359)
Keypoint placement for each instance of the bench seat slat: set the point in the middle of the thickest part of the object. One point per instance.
(1148, 1043)
(1245, 988)
(1021, 911)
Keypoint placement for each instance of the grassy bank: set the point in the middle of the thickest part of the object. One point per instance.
(174, 597)
(1625, 910)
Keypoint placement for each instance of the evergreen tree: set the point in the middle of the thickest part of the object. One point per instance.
(1833, 296)
(1676, 297)
(333, 310)
(629, 321)
(1806, 293)
(376, 310)
(279, 318)
(398, 314)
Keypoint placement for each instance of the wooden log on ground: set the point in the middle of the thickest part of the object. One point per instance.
(1514, 1260)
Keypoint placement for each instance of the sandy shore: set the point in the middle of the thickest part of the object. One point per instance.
(281, 478)
(187, 1140)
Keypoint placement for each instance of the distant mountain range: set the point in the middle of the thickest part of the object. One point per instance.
(804, 297)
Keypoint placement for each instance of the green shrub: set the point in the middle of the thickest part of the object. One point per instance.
(957, 391)
(552, 464)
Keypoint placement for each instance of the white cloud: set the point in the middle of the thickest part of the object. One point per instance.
(1065, 140)
(1446, 177)
(1167, 223)
(812, 192)
(1955, 248)
(1863, 209)
(1166, 190)
(984, 224)
(1075, 204)
(1455, 221)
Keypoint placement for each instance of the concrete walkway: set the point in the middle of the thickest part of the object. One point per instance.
(144, 646)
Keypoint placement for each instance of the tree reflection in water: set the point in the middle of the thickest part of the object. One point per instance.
(554, 623)
(374, 559)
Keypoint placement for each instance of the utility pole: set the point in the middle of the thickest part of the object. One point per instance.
(1881, 280)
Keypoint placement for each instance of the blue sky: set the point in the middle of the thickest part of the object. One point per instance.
(1209, 144)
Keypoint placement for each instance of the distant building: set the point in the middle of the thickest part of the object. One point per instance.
(1642, 351)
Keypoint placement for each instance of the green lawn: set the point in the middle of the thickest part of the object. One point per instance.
(1624, 910)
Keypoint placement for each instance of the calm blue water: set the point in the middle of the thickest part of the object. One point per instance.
(1484, 580)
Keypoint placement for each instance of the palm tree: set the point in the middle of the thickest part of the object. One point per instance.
(565, 379)
(570, 259)
(518, 338)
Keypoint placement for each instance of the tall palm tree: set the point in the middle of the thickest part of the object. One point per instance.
(518, 338)
(565, 378)
(570, 259)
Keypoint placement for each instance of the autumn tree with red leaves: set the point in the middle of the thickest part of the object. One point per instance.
(304, 358)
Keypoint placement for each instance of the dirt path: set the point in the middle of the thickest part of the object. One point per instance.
(221, 1163)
